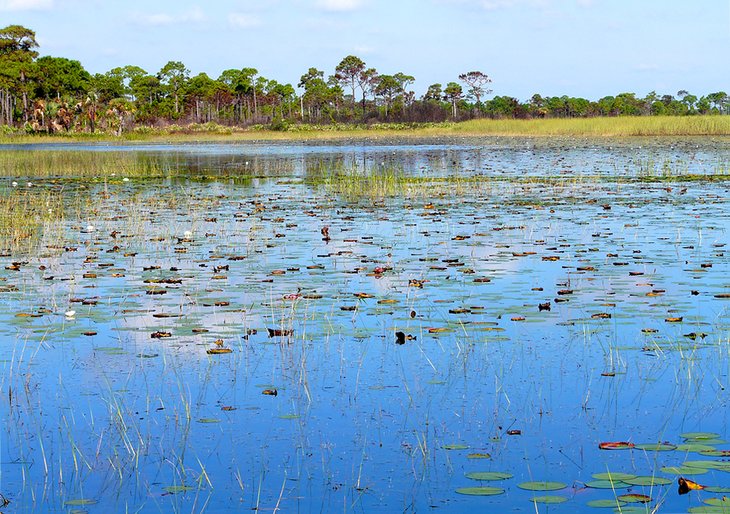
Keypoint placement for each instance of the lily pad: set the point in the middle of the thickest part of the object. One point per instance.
(480, 491)
(455, 447)
(656, 447)
(488, 475)
(613, 475)
(542, 486)
(549, 499)
(79, 502)
(634, 498)
(683, 470)
(699, 435)
(606, 504)
(174, 489)
(607, 484)
(648, 481)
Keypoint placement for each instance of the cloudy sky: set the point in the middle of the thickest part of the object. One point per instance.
(588, 48)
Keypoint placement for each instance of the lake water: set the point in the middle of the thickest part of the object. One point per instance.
(552, 295)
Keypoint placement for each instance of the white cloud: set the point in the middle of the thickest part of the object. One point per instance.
(25, 5)
(340, 5)
(194, 15)
(243, 21)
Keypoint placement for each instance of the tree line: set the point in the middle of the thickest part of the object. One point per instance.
(56, 94)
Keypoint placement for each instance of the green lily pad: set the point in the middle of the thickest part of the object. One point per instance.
(605, 504)
(542, 486)
(709, 509)
(174, 489)
(479, 456)
(607, 484)
(648, 481)
(715, 453)
(706, 464)
(725, 502)
(480, 491)
(656, 447)
(699, 435)
(79, 501)
(613, 475)
(549, 499)
(695, 447)
(717, 489)
(683, 470)
(209, 420)
(488, 475)
(455, 447)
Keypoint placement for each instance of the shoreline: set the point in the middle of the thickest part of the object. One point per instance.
(574, 128)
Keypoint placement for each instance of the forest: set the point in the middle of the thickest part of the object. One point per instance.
(45, 94)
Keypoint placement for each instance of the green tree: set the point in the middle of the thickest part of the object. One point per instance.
(57, 76)
(17, 53)
(388, 88)
(174, 75)
(477, 82)
(433, 93)
(349, 73)
(453, 93)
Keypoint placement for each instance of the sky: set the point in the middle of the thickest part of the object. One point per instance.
(587, 48)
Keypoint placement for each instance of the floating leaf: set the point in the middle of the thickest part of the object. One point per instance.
(488, 475)
(480, 491)
(79, 502)
(174, 489)
(634, 498)
(479, 456)
(683, 470)
(542, 486)
(549, 499)
(454, 447)
(613, 475)
(618, 445)
(605, 504)
(656, 447)
(648, 481)
(695, 448)
(607, 484)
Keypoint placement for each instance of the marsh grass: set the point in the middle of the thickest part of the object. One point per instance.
(78, 164)
(620, 126)
(24, 213)
(623, 126)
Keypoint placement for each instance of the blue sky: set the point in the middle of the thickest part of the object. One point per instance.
(588, 48)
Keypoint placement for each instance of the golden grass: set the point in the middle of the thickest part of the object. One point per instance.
(623, 126)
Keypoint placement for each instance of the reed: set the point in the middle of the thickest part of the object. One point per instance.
(619, 126)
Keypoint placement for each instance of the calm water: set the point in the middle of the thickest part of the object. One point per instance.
(100, 416)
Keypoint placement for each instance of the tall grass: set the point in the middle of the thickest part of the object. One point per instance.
(78, 164)
(23, 214)
(623, 126)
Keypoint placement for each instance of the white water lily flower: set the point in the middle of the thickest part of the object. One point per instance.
(15, 184)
